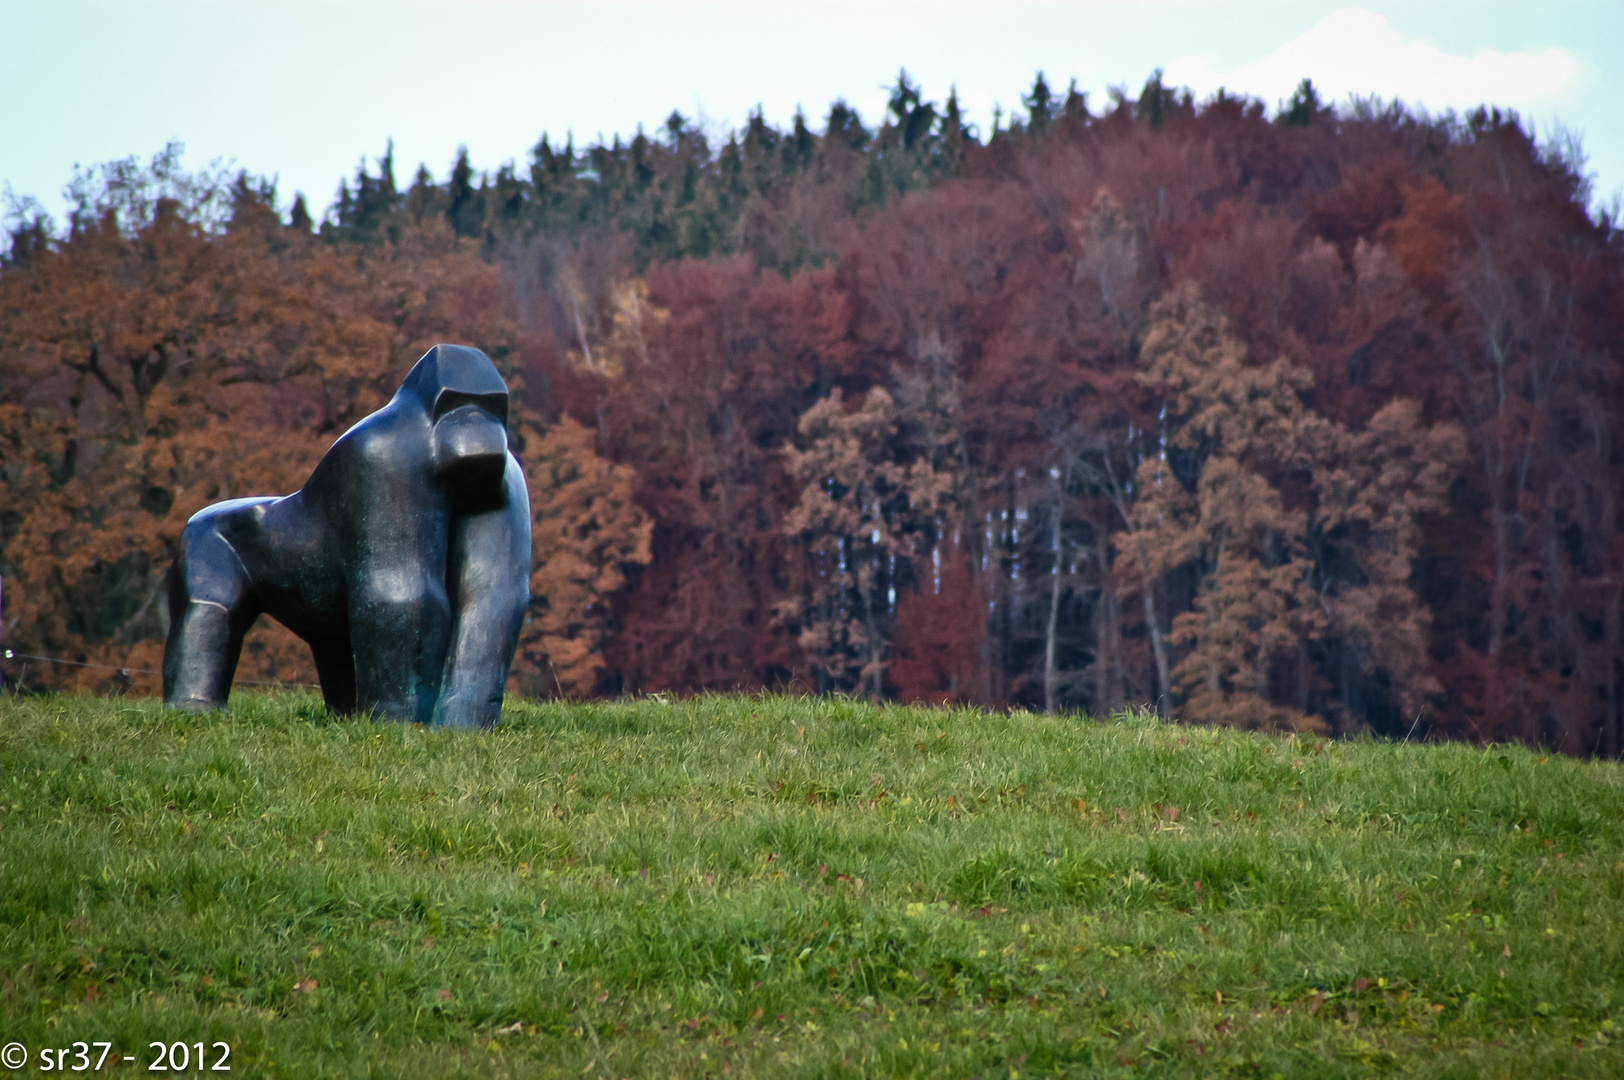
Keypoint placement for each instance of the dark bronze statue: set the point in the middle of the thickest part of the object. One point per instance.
(404, 561)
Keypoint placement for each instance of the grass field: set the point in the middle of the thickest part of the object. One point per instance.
(773, 886)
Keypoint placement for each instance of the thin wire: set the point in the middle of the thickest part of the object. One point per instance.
(148, 671)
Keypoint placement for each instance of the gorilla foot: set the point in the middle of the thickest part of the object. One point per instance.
(195, 706)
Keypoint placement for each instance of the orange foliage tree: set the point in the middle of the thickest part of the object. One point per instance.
(183, 346)
(587, 533)
(1301, 532)
(1073, 324)
(153, 365)
(865, 513)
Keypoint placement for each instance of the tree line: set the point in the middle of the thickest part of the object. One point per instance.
(1303, 420)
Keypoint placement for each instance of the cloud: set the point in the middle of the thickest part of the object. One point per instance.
(1354, 51)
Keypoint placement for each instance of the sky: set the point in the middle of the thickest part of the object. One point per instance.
(301, 90)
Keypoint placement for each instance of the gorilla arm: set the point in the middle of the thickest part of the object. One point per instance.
(488, 581)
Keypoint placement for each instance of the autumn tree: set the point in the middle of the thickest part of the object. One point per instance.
(939, 649)
(701, 415)
(864, 515)
(182, 345)
(1301, 531)
(587, 533)
(1538, 390)
(1073, 322)
(153, 365)
(1233, 424)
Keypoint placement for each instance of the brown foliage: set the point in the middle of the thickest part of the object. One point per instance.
(151, 374)
(151, 371)
(1272, 425)
(941, 634)
(587, 532)
(1303, 531)
(864, 516)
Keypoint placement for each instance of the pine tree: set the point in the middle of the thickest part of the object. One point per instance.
(800, 147)
(299, 217)
(465, 209)
(1039, 102)
(1303, 107)
(368, 215)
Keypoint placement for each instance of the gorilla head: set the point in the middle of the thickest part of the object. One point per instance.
(467, 401)
(404, 561)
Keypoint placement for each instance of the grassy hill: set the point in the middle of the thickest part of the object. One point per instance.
(774, 886)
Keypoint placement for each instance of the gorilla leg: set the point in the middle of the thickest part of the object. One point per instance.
(488, 569)
(209, 612)
(400, 623)
(335, 667)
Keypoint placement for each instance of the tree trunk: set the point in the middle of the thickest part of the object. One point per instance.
(876, 648)
(1050, 674)
(1497, 589)
(1152, 626)
(1157, 650)
(1110, 681)
(1613, 722)
(1500, 524)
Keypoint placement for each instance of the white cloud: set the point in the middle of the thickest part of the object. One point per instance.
(1354, 51)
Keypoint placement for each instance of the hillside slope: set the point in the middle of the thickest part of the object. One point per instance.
(773, 886)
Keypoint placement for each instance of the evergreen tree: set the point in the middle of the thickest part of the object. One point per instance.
(1039, 102)
(1076, 104)
(425, 200)
(955, 137)
(912, 116)
(465, 209)
(299, 217)
(1156, 100)
(844, 127)
(1303, 107)
(367, 215)
(800, 146)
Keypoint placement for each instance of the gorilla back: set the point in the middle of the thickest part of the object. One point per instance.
(404, 561)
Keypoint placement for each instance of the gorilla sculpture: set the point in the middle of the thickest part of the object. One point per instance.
(404, 561)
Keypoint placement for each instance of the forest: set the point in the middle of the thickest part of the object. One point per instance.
(1303, 418)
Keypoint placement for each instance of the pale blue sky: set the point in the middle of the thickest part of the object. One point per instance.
(302, 89)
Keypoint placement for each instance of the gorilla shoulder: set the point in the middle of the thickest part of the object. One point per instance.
(230, 514)
(389, 438)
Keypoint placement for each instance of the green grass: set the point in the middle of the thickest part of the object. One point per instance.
(773, 886)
